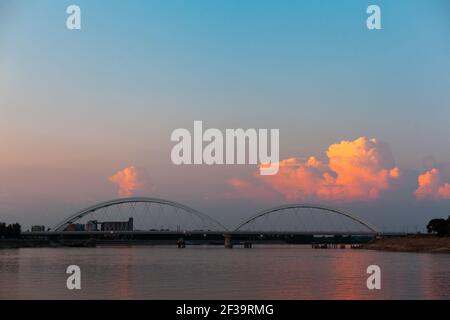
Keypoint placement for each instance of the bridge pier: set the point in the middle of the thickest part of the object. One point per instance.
(181, 243)
(228, 242)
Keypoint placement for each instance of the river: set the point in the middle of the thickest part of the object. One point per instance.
(213, 272)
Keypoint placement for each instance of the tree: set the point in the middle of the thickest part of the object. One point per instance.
(17, 230)
(2, 229)
(441, 227)
(10, 231)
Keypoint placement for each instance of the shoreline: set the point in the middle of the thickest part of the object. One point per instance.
(21, 243)
(418, 243)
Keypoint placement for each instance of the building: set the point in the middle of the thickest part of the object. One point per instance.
(75, 227)
(118, 225)
(37, 228)
(92, 225)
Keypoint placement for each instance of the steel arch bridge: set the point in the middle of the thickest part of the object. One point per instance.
(217, 227)
(286, 207)
(89, 210)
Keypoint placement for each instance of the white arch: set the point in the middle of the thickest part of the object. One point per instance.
(308, 206)
(80, 214)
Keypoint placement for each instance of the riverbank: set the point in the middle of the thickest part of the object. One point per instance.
(423, 243)
(44, 243)
(20, 243)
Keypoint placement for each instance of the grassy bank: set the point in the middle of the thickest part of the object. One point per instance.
(411, 244)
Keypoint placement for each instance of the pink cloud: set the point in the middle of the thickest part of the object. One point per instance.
(432, 186)
(246, 189)
(129, 180)
(356, 170)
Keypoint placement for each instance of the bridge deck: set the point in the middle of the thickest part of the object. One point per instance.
(200, 232)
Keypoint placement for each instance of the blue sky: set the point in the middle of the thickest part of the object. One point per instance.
(88, 103)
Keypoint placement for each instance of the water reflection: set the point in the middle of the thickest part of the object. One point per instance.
(436, 280)
(263, 272)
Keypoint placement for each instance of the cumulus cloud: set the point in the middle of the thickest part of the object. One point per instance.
(130, 180)
(249, 190)
(432, 186)
(356, 170)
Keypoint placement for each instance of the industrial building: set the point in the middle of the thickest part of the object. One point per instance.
(117, 225)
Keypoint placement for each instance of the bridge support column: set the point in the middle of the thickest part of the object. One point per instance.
(228, 242)
(181, 243)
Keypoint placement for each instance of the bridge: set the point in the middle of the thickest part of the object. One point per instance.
(164, 221)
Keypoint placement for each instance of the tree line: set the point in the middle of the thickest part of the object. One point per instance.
(440, 227)
(10, 231)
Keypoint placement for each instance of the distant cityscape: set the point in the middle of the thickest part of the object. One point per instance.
(94, 225)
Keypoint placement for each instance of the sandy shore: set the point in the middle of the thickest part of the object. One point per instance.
(411, 244)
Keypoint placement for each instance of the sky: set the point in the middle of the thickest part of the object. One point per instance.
(86, 115)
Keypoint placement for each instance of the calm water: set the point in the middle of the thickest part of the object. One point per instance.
(263, 272)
